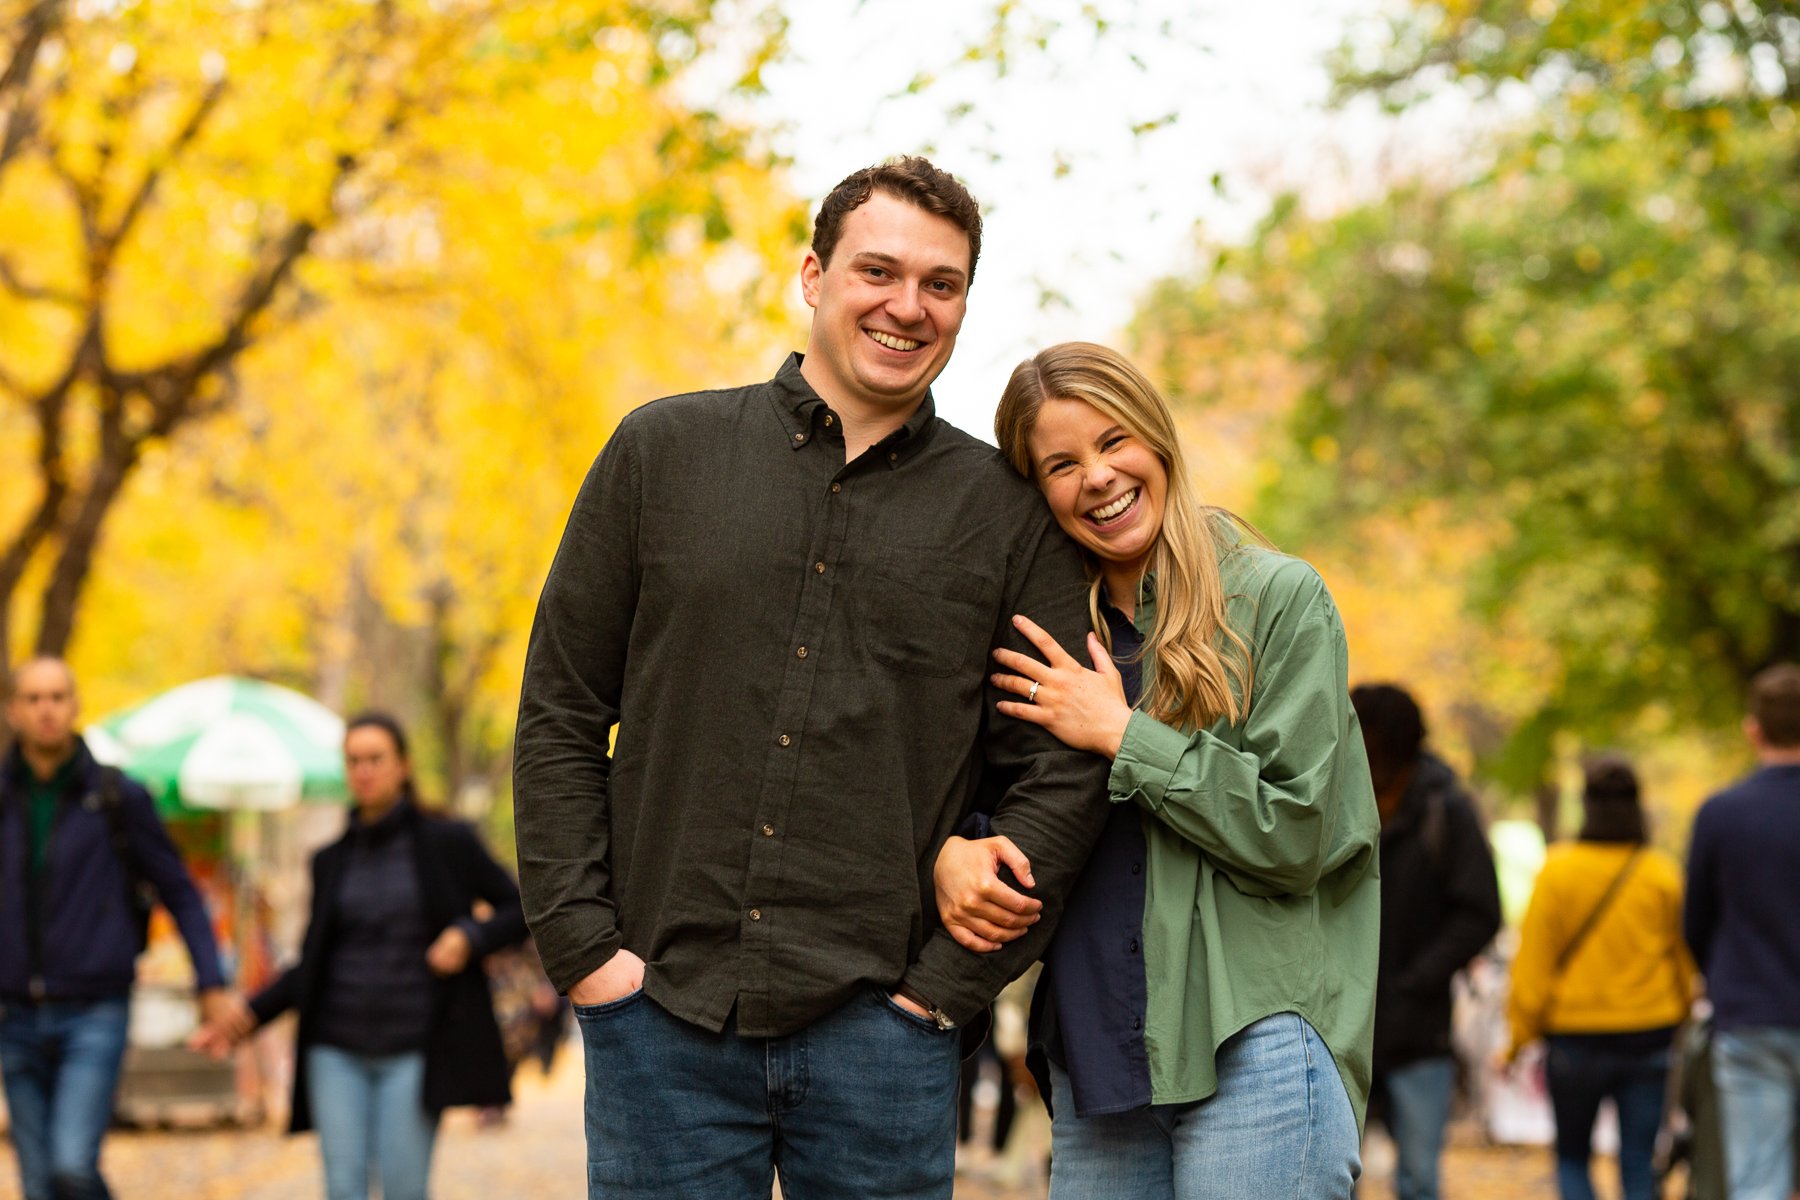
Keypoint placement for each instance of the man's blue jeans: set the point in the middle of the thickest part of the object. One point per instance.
(369, 1112)
(1280, 1125)
(61, 1062)
(860, 1103)
(1418, 1109)
(1757, 1072)
(1580, 1072)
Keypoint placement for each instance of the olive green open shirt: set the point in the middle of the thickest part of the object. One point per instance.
(1262, 892)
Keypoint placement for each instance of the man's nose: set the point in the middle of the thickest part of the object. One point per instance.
(906, 306)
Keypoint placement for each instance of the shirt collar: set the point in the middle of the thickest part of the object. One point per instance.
(805, 416)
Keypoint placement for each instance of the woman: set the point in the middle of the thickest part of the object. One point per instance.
(395, 1020)
(1604, 977)
(1203, 1025)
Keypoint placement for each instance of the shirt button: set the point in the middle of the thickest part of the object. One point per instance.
(800, 653)
(836, 488)
(782, 739)
(828, 420)
(799, 437)
(768, 831)
(1137, 1023)
(1134, 945)
(818, 568)
(893, 457)
(1137, 868)
(756, 914)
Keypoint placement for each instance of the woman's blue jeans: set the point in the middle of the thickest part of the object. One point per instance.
(1279, 1125)
(1581, 1072)
(370, 1114)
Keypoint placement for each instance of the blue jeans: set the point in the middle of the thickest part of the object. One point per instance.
(862, 1102)
(1279, 1125)
(61, 1061)
(1757, 1072)
(1581, 1071)
(1418, 1109)
(369, 1112)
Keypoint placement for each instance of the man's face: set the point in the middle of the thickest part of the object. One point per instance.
(887, 310)
(42, 710)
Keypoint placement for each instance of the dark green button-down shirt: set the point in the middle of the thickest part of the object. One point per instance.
(795, 653)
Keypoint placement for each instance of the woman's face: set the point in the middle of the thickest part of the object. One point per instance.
(373, 767)
(1104, 485)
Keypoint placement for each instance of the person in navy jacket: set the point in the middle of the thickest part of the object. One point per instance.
(77, 844)
(1742, 922)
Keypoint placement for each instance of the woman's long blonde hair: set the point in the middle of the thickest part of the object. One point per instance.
(1201, 666)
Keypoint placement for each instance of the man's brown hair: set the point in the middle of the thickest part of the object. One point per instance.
(1775, 704)
(909, 178)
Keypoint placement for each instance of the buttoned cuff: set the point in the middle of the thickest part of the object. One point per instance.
(1148, 756)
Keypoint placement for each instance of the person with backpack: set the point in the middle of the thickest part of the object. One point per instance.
(1603, 976)
(81, 853)
(1440, 904)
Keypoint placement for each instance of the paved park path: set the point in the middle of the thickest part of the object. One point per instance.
(538, 1154)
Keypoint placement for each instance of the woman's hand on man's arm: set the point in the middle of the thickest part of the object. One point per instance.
(979, 909)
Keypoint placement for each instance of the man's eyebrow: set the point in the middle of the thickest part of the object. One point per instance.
(890, 261)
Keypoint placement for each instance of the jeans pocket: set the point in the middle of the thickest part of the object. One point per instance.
(923, 1024)
(588, 1012)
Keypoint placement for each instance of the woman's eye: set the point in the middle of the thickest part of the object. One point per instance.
(1113, 442)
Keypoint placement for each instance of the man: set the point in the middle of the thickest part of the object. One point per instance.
(1440, 904)
(784, 596)
(76, 843)
(1742, 921)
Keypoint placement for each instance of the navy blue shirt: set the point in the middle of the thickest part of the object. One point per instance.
(1743, 907)
(1087, 1014)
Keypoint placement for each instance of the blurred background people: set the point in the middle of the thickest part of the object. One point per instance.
(396, 1023)
(1743, 924)
(1440, 904)
(79, 843)
(1603, 976)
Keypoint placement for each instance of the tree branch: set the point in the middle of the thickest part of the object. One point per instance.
(9, 278)
(40, 19)
(146, 189)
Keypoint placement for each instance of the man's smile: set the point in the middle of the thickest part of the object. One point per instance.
(892, 342)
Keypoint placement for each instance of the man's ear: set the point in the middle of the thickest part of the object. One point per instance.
(1753, 732)
(812, 273)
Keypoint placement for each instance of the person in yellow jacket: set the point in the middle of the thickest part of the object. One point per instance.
(1603, 976)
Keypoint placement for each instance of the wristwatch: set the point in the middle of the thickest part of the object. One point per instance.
(938, 1016)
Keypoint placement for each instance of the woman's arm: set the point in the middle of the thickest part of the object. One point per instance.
(1288, 799)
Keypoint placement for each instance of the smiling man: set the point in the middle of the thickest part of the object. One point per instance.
(784, 597)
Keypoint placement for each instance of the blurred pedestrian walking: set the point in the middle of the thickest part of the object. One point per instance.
(1603, 976)
(396, 1023)
(1743, 922)
(81, 854)
(1440, 904)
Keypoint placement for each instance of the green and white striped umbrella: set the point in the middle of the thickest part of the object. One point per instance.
(226, 743)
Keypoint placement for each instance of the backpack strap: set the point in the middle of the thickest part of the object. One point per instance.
(138, 891)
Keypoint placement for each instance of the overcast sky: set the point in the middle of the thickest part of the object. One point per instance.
(1246, 86)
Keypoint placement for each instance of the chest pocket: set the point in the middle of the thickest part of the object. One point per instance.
(919, 614)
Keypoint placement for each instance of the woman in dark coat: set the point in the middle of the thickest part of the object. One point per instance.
(395, 1018)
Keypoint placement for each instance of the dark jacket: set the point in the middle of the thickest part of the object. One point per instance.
(90, 938)
(1440, 904)
(1743, 910)
(464, 1060)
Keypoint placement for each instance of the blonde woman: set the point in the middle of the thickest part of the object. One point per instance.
(1202, 1030)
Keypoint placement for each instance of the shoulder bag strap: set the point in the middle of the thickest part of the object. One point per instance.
(1594, 915)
